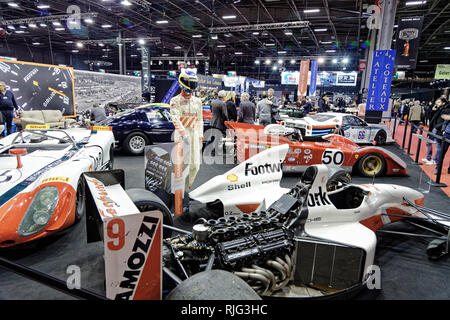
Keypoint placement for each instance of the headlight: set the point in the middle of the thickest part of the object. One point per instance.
(39, 212)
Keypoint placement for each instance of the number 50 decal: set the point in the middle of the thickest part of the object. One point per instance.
(333, 157)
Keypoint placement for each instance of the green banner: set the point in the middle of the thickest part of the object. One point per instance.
(442, 71)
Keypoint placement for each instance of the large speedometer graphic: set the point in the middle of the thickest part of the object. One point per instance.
(39, 86)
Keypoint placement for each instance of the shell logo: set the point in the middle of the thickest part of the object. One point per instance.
(232, 178)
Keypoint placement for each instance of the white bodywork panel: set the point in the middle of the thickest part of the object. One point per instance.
(66, 164)
(251, 186)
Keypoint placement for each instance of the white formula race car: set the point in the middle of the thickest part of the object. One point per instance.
(353, 127)
(41, 187)
(315, 240)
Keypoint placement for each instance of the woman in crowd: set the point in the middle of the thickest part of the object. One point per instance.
(231, 106)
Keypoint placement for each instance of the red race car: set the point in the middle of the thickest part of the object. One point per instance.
(331, 150)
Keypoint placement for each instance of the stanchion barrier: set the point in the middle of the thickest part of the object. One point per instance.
(410, 138)
(404, 134)
(419, 142)
(441, 162)
(395, 126)
(444, 141)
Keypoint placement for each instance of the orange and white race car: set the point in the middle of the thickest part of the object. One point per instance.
(332, 150)
(41, 186)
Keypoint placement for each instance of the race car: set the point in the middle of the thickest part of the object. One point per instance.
(353, 127)
(148, 124)
(41, 190)
(332, 150)
(252, 238)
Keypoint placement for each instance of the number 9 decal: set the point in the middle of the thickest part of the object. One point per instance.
(116, 233)
(333, 157)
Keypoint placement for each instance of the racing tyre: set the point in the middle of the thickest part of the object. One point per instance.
(380, 138)
(372, 164)
(338, 180)
(213, 285)
(145, 200)
(80, 205)
(135, 143)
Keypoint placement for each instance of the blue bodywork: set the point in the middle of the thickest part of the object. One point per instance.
(153, 121)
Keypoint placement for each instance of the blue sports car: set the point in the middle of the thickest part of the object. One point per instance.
(148, 124)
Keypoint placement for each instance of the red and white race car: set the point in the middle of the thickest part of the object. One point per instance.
(332, 150)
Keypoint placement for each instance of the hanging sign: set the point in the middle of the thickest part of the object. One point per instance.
(408, 42)
(303, 78)
(313, 82)
(380, 80)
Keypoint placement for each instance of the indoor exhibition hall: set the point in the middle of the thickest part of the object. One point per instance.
(234, 157)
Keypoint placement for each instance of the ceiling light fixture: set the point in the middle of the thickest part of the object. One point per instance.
(43, 25)
(221, 46)
(311, 10)
(330, 51)
(141, 41)
(80, 45)
(56, 23)
(321, 60)
(334, 61)
(197, 36)
(268, 61)
(231, 16)
(162, 21)
(288, 32)
(320, 30)
(89, 20)
(214, 37)
(177, 48)
(105, 26)
(32, 25)
(43, 6)
(280, 61)
(60, 29)
(256, 33)
(292, 61)
(125, 3)
(345, 60)
(238, 53)
(415, 3)
(13, 4)
(257, 62)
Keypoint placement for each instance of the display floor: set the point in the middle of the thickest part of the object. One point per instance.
(406, 273)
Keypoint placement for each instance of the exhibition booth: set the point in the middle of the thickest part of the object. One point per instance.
(331, 182)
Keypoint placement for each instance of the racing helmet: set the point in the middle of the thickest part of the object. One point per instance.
(188, 81)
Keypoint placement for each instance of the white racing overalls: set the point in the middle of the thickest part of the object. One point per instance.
(187, 116)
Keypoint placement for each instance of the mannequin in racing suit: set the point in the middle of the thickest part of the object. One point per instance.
(187, 116)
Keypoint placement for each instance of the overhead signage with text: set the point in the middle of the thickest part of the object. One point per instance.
(380, 80)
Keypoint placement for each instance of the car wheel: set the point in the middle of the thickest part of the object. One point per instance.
(135, 143)
(145, 201)
(380, 138)
(80, 205)
(338, 180)
(372, 164)
(213, 285)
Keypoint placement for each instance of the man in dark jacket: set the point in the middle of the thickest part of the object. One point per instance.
(219, 112)
(403, 111)
(307, 107)
(437, 127)
(322, 104)
(7, 106)
(247, 110)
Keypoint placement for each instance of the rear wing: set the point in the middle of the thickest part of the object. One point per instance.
(132, 240)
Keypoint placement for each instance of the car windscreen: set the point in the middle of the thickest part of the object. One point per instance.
(321, 117)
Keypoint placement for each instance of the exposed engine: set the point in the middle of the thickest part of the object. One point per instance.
(258, 247)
